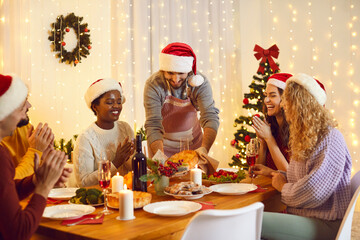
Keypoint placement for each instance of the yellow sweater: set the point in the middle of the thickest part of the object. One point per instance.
(21, 154)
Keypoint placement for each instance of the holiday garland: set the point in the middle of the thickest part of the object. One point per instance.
(60, 28)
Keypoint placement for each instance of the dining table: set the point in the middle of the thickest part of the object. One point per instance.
(151, 226)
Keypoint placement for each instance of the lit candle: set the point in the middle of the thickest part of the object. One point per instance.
(117, 182)
(196, 175)
(126, 204)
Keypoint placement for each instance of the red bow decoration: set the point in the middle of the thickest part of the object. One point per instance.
(267, 54)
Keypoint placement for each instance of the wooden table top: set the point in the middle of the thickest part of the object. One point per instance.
(150, 226)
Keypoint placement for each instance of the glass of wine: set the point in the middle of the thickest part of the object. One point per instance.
(252, 153)
(104, 176)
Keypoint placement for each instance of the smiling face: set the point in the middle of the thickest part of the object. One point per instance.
(108, 110)
(272, 100)
(175, 79)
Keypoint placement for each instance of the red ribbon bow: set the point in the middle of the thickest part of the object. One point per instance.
(267, 54)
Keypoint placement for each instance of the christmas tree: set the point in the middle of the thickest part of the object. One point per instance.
(253, 102)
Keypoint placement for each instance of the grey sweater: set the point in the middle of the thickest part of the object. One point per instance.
(320, 186)
(155, 92)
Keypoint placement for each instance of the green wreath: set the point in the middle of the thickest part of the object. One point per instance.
(60, 28)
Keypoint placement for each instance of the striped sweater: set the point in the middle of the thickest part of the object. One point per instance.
(320, 186)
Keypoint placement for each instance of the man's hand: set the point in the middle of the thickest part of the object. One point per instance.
(48, 172)
(40, 138)
(64, 177)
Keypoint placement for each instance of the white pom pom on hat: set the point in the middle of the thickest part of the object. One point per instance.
(13, 93)
(315, 87)
(179, 57)
(100, 87)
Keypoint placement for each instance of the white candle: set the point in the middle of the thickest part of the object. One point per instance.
(126, 204)
(196, 175)
(117, 182)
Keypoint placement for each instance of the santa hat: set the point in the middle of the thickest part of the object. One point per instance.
(13, 92)
(179, 57)
(279, 79)
(100, 87)
(315, 87)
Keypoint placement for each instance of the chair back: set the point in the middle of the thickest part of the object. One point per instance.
(345, 227)
(242, 223)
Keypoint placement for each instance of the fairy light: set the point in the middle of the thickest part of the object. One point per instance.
(293, 17)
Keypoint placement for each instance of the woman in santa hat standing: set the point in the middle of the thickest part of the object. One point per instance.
(172, 98)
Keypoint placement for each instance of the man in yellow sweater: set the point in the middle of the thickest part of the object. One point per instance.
(25, 142)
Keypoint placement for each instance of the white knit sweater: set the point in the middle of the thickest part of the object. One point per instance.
(95, 143)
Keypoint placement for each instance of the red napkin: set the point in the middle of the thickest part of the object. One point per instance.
(206, 206)
(259, 189)
(89, 221)
(54, 201)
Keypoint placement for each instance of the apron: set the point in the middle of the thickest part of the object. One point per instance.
(179, 121)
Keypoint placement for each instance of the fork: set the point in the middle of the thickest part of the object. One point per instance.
(99, 215)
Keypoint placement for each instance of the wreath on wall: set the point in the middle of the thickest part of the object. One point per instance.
(60, 28)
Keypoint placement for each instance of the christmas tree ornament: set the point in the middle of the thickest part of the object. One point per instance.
(267, 55)
(246, 101)
(237, 156)
(233, 142)
(247, 138)
(57, 33)
(89, 47)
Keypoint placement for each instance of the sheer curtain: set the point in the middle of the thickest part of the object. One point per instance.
(141, 29)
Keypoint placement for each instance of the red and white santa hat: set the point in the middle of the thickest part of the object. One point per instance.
(179, 57)
(315, 87)
(279, 79)
(13, 93)
(100, 87)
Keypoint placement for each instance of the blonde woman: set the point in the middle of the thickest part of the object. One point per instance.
(316, 186)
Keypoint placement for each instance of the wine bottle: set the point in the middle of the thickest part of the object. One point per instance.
(139, 167)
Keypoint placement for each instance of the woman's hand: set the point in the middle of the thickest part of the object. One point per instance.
(262, 129)
(123, 152)
(259, 169)
(278, 180)
(48, 172)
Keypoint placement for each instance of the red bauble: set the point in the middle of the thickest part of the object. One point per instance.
(89, 47)
(237, 156)
(246, 101)
(76, 61)
(67, 29)
(247, 138)
(257, 115)
(63, 43)
(233, 142)
(86, 30)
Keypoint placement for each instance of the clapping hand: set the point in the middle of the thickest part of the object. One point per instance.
(41, 138)
(123, 152)
(262, 128)
(48, 173)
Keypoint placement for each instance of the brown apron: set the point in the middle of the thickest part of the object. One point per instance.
(179, 121)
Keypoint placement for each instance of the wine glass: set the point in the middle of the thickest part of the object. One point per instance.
(104, 176)
(252, 153)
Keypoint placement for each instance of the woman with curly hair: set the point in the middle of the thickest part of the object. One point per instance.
(273, 133)
(316, 186)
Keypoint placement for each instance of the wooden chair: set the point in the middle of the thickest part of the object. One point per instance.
(344, 232)
(242, 223)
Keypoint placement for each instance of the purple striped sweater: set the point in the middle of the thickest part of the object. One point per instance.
(320, 186)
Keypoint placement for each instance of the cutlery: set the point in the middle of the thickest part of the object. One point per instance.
(99, 215)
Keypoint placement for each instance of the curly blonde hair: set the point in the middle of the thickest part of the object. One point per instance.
(309, 121)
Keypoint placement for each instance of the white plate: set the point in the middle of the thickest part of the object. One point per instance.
(68, 211)
(191, 197)
(233, 188)
(93, 205)
(62, 193)
(172, 208)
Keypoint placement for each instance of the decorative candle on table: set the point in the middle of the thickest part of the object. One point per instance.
(126, 204)
(196, 175)
(117, 182)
